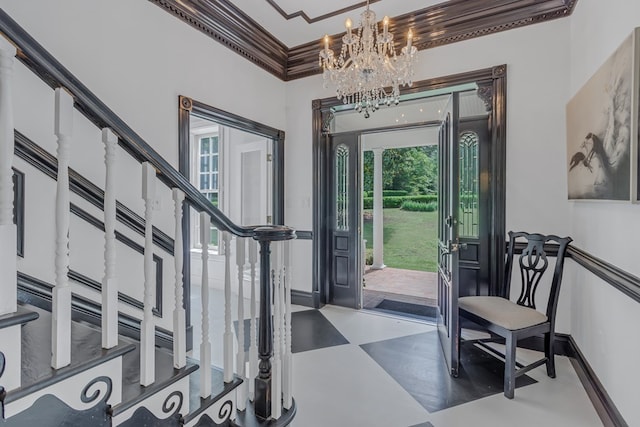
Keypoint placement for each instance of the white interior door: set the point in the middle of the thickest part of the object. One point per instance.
(250, 200)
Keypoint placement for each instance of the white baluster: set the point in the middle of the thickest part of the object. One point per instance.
(147, 328)
(228, 335)
(205, 346)
(61, 297)
(8, 235)
(241, 394)
(179, 320)
(253, 345)
(287, 361)
(110, 281)
(276, 390)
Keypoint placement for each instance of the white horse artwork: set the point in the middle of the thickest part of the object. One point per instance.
(599, 129)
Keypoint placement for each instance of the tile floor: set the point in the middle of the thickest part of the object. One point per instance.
(361, 368)
(390, 375)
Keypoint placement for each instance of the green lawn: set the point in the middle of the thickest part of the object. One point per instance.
(410, 239)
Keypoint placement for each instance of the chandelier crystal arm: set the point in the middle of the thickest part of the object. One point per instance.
(368, 64)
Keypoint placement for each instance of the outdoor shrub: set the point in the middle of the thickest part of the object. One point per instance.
(396, 201)
(393, 193)
(410, 205)
(428, 198)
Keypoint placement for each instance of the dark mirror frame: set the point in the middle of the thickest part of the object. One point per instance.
(187, 107)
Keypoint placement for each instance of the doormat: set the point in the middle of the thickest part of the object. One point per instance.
(423, 312)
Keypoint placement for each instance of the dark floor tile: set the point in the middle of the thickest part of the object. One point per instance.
(311, 331)
(247, 334)
(417, 364)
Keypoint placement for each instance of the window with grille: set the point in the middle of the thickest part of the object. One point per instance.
(208, 174)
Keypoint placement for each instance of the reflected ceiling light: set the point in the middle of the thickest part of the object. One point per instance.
(368, 73)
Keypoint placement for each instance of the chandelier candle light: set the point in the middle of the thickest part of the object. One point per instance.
(368, 73)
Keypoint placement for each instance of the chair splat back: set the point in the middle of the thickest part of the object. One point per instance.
(533, 263)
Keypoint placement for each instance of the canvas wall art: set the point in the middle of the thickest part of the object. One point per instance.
(602, 130)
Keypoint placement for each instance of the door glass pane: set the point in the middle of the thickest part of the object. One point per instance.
(469, 186)
(342, 182)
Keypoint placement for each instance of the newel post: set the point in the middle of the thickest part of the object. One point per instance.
(262, 388)
(263, 382)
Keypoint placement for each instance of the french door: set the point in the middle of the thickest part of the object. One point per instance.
(448, 242)
(343, 221)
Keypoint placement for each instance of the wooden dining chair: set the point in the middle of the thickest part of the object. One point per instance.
(520, 319)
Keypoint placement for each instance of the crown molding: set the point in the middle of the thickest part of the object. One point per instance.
(448, 22)
(302, 14)
(224, 22)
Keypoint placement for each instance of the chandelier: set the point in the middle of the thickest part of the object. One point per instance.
(368, 73)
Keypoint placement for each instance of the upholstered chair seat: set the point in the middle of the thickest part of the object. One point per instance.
(502, 312)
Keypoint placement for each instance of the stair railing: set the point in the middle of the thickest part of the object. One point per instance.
(274, 284)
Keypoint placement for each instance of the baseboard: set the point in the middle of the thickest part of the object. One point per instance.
(301, 298)
(562, 345)
(38, 293)
(606, 409)
(565, 345)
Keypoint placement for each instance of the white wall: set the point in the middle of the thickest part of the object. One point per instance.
(137, 59)
(603, 319)
(536, 94)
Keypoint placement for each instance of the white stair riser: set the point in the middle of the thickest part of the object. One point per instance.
(155, 402)
(223, 409)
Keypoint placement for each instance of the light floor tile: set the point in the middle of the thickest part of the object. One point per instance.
(361, 327)
(296, 308)
(558, 402)
(343, 387)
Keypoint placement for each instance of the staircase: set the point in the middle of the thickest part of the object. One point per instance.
(77, 350)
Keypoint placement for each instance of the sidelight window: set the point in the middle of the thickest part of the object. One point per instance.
(469, 185)
(342, 188)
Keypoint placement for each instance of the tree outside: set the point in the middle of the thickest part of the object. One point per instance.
(410, 236)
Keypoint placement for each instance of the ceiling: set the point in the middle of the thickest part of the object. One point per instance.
(296, 22)
(284, 36)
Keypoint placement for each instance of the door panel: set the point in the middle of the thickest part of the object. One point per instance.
(343, 221)
(448, 254)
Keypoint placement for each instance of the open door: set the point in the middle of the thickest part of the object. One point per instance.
(255, 185)
(448, 243)
(343, 221)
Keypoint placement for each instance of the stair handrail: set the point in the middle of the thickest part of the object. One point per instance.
(35, 57)
(52, 72)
